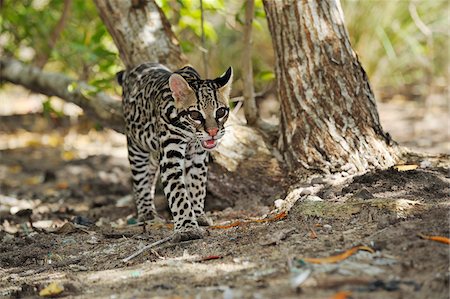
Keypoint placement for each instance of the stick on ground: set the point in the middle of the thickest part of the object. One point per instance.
(125, 260)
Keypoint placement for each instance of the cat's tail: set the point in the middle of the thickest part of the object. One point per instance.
(120, 77)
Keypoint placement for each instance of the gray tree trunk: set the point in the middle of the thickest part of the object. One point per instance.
(141, 32)
(329, 118)
(250, 109)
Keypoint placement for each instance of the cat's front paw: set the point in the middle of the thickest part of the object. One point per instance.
(191, 233)
(204, 220)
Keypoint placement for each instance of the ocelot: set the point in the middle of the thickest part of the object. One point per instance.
(172, 120)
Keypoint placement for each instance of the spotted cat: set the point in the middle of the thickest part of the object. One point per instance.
(172, 120)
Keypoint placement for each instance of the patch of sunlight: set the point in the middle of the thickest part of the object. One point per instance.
(180, 265)
(239, 144)
(74, 145)
(404, 207)
(147, 33)
(16, 280)
(401, 207)
(13, 204)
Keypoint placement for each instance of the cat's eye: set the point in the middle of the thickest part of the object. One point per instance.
(195, 115)
(221, 112)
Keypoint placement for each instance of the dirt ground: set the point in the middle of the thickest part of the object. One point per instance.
(73, 182)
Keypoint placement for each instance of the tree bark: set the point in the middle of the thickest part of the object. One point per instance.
(141, 32)
(101, 107)
(250, 109)
(329, 118)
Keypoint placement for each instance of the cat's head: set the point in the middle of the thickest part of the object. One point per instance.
(202, 104)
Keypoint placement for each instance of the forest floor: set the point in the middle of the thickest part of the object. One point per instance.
(73, 182)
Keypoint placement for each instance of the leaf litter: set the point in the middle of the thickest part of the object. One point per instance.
(244, 255)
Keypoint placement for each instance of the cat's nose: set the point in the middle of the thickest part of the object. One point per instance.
(212, 131)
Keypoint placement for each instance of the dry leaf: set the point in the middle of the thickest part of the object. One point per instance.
(67, 228)
(51, 290)
(62, 185)
(339, 257)
(439, 239)
(342, 295)
(312, 233)
(68, 155)
(15, 169)
(34, 180)
(406, 167)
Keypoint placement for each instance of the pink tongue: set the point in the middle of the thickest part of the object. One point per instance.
(209, 143)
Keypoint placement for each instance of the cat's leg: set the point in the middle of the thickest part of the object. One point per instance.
(144, 174)
(172, 165)
(196, 178)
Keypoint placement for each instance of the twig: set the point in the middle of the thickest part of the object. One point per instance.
(279, 216)
(43, 57)
(125, 260)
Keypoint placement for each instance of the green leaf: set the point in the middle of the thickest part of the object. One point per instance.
(265, 75)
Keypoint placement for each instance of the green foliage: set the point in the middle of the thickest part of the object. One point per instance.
(49, 111)
(223, 33)
(393, 49)
(83, 50)
(185, 15)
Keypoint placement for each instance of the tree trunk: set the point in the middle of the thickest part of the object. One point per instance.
(329, 119)
(250, 109)
(141, 32)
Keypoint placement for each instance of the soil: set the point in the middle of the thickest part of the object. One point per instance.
(73, 183)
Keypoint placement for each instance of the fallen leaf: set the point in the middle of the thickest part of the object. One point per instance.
(34, 180)
(439, 239)
(208, 258)
(226, 226)
(339, 257)
(15, 169)
(312, 234)
(51, 290)
(406, 167)
(279, 216)
(54, 140)
(67, 228)
(342, 295)
(62, 185)
(68, 155)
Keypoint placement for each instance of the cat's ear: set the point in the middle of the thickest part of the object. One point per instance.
(225, 81)
(181, 91)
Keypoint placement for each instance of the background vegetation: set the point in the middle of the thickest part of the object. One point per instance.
(403, 45)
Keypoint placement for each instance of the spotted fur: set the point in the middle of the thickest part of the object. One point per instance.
(172, 120)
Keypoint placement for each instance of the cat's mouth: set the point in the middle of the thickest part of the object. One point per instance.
(209, 144)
